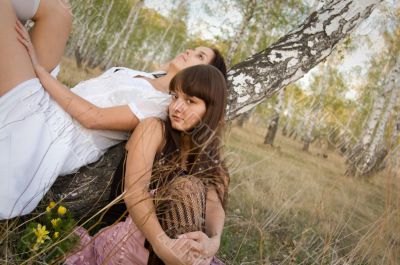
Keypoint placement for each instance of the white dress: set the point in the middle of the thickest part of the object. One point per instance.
(40, 141)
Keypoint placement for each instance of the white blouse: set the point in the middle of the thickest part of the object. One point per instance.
(40, 141)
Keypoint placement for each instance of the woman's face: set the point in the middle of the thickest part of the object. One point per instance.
(185, 111)
(199, 55)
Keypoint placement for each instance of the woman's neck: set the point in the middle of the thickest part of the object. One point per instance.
(162, 83)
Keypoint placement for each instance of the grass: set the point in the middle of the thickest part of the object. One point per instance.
(287, 206)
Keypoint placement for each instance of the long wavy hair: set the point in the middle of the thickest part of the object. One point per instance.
(204, 157)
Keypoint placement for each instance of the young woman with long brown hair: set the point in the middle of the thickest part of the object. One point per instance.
(175, 182)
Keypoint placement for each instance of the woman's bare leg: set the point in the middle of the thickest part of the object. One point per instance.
(15, 64)
(53, 22)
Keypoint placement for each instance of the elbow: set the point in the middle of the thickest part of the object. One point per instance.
(89, 123)
(91, 119)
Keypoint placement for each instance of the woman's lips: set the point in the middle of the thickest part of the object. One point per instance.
(176, 118)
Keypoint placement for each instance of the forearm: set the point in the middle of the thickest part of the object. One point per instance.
(142, 211)
(79, 108)
(215, 216)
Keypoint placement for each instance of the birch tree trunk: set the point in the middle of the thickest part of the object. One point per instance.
(161, 40)
(370, 152)
(291, 57)
(242, 119)
(132, 25)
(273, 125)
(316, 110)
(250, 8)
(308, 136)
(250, 82)
(392, 161)
(109, 53)
(93, 36)
(288, 113)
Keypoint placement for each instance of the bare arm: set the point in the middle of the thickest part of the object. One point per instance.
(88, 114)
(142, 148)
(208, 245)
(215, 217)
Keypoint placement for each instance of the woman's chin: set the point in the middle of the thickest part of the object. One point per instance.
(177, 126)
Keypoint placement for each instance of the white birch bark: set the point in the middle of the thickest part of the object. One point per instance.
(265, 73)
(377, 109)
(372, 159)
(368, 157)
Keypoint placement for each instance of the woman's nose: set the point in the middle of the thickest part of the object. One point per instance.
(179, 105)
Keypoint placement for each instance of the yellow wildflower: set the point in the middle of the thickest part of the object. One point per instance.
(56, 234)
(41, 233)
(55, 222)
(51, 206)
(61, 210)
(35, 246)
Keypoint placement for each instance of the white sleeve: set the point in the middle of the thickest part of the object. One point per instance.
(154, 106)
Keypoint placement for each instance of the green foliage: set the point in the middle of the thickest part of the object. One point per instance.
(47, 238)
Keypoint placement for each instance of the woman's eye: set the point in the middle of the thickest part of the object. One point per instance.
(189, 101)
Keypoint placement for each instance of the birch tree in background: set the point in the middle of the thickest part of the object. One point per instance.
(369, 153)
(273, 124)
(250, 82)
(322, 84)
(240, 32)
(123, 33)
(179, 13)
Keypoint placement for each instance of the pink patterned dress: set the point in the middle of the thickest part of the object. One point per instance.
(119, 244)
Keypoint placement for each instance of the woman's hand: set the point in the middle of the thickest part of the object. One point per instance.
(25, 39)
(207, 247)
(190, 248)
(185, 251)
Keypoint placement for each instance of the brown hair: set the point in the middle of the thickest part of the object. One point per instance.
(204, 159)
(219, 62)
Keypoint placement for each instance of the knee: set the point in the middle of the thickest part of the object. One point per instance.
(188, 185)
(60, 11)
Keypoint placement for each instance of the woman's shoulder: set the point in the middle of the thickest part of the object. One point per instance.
(152, 122)
(151, 130)
(151, 126)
